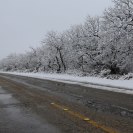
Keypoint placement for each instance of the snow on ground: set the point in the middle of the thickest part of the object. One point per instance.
(122, 86)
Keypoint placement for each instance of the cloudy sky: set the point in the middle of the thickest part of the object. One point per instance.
(24, 23)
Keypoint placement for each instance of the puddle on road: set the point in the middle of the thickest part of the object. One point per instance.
(7, 99)
(18, 119)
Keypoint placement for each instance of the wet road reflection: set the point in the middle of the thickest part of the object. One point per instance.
(18, 119)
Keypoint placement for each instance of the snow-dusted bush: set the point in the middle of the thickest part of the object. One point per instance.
(105, 72)
(128, 76)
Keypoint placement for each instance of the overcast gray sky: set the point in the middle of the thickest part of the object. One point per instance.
(24, 23)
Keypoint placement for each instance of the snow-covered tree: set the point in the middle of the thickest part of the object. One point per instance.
(100, 44)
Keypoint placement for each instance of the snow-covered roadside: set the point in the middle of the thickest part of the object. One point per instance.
(123, 86)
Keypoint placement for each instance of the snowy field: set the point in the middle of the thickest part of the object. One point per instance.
(122, 86)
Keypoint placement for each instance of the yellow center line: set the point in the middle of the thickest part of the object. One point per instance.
(84, 118)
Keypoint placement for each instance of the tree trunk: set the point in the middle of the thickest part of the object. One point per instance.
(59, 66)
(61, 57)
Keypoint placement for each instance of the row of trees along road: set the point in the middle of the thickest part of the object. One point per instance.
(100, 43)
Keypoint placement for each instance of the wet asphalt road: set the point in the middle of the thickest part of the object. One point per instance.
(29, 105)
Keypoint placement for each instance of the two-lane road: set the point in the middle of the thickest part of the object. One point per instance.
(29, 105)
